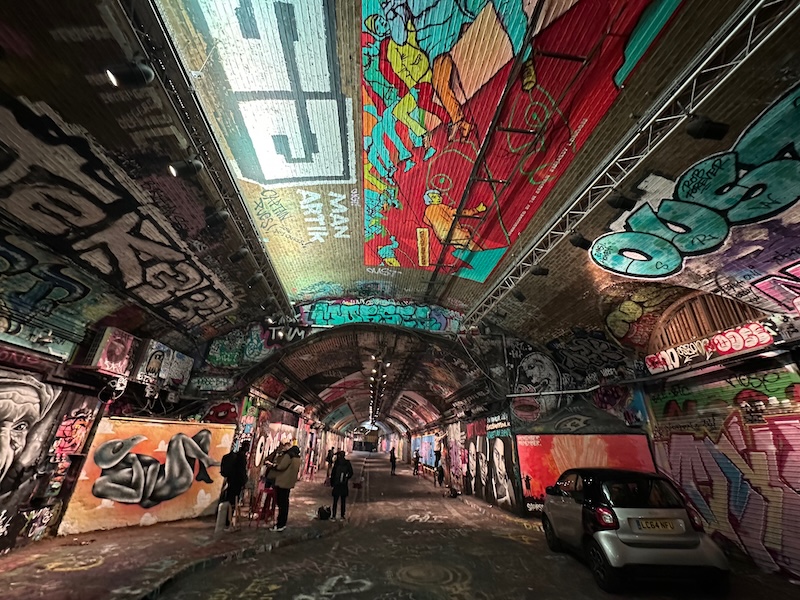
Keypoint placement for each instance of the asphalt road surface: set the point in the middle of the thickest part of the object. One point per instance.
(405, 540)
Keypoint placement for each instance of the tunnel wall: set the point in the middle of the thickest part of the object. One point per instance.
(170, 484)
(731, 440)
(43, 470)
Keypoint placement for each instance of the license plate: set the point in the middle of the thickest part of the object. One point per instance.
(656, 526)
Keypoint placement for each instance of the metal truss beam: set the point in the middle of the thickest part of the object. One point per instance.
(746, 32)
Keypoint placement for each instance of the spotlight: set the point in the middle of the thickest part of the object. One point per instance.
(372, 379)
(621, 203)
(388, 364)
(131, 75)
(217, 219)
(255, 279)
(539, 270)
(372, 356)
(280, 334)
(270, 320)
(518, 295)
(239, 255)
(374, 370)
(185, 168)
(577, 240)
(700, 127)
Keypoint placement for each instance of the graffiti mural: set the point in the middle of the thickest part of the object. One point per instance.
(743, 483)
(94, 214)
(749, 336)
(142, 472)
(35, 281)
(503, 472)
(632, 311)
(46, 429)
(574, 362)
(477, 460)
(377, 310)
(542, 458)
(703, 213)
(428, 104)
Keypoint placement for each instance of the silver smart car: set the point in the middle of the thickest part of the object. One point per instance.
(626, 522)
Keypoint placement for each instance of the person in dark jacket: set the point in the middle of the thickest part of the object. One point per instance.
(416, 462)
(393, 460)
(234, 469)
(341, 474)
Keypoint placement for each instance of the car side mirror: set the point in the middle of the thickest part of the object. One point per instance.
(552, 490)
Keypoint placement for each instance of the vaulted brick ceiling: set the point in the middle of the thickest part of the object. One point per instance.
(363, 153)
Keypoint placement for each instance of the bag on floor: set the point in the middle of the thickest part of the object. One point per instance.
(223, 509)
(324, 513)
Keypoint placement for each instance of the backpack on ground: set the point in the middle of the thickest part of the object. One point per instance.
(324, 513)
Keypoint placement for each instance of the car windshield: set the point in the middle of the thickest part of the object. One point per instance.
(641, 492)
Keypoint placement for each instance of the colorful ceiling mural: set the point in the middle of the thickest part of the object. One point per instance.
(434, 74)
(285, 98)
(727, 225)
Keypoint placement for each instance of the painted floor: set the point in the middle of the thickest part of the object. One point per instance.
(404, 540)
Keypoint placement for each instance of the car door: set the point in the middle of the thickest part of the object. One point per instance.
(572, 511)
(558, 505)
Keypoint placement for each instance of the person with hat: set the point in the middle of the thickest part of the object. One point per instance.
(341, 474)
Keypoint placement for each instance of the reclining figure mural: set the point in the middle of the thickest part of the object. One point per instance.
(141, 479)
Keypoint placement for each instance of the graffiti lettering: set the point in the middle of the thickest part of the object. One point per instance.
(298, 126)
(738, 339)
(313, 209)
(753, 182)
(417, 316)
(91, 212)
(743, 485)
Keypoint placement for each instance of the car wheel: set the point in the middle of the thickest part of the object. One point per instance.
(550, 535)
(605, 576)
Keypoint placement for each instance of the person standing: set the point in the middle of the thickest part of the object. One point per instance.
(416, 462)
(393, 460)
(341, 474)
(329, 460)
(285, 475)
(234, 469)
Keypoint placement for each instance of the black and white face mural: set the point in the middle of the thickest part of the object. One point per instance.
(502, 471)
(25, 424)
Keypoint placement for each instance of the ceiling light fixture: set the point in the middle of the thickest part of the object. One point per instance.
(239, 255)
(621, 202)
(577, 240)
(131, 75)
(185, 168)
(255, 279)
(700, 127)
(539, 271)
(388, 364)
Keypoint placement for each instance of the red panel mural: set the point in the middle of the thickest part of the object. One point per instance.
(542, 458)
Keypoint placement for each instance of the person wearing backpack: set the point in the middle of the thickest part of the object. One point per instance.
(341, 474)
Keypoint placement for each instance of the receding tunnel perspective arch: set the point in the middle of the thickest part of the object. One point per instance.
(543, 254)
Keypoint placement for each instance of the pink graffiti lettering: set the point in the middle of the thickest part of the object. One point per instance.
(745, 485)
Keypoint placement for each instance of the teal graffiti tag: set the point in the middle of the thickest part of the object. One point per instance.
(756, 180)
